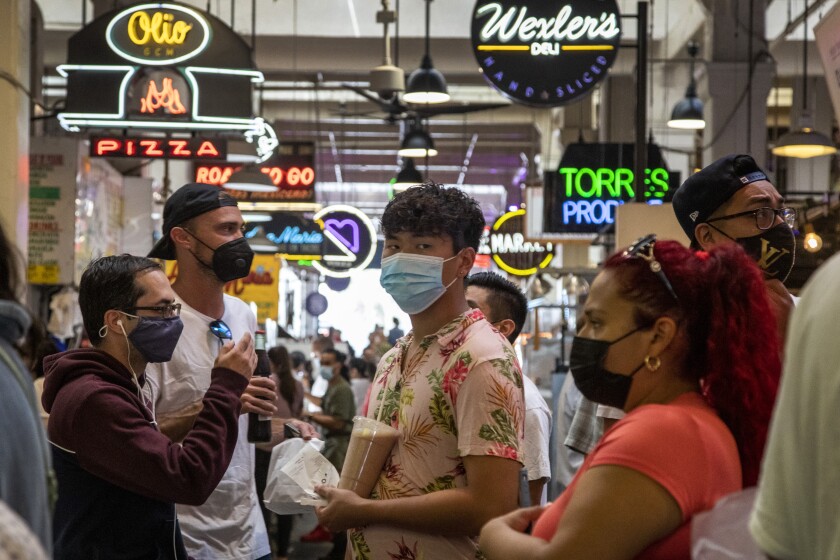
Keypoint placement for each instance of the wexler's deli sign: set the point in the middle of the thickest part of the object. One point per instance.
(545, 53)
(592, 180)
(164, 66)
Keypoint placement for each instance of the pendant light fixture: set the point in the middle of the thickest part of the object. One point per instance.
(259, 242)
(804, 142)
(426, 85)
(250, 179)
(408, 176)
(417, 143)
(688, 112)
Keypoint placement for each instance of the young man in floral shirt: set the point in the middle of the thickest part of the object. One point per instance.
(451, 387)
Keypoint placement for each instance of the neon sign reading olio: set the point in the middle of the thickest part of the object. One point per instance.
(158, 28)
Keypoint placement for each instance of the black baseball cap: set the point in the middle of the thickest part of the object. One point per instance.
(191, 200)
(705, 191)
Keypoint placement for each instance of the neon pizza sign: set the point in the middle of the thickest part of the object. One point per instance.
(158, 148)
(545, 53)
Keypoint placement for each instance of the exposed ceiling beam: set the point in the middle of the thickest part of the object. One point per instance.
(796, 22)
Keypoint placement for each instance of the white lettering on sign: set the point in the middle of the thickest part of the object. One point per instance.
(565, 27)
(507, 243)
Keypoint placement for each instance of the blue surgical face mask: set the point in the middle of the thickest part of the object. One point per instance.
(326, 372)
(414, 281)
(156, 337)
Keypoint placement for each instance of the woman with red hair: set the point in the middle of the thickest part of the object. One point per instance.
(685, 343)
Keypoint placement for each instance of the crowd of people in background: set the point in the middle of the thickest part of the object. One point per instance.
(146, 453)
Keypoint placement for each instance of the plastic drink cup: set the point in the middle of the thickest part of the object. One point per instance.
(370, 445)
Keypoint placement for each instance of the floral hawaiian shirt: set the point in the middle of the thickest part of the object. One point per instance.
(460, 394)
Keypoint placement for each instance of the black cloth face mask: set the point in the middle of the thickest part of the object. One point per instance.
(773, 250)
(231, 260)
(596, 383)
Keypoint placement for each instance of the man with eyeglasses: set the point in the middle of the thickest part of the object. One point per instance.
(732, 201)
(118, 476)
(202, 231)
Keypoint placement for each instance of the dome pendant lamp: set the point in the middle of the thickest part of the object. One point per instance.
(417, 143)
(688, 112)
(409, 176)
(805, 142)
(426, 85)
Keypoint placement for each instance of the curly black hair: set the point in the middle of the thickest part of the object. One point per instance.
(432, 209)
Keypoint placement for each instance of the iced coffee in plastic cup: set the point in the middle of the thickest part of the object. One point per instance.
(371, 442)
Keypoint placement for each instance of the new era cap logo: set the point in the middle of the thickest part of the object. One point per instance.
(752, 177)
(694, 215)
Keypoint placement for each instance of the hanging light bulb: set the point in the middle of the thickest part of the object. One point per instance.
(408, 176)
(417, 143)
(804, 142)
(250, 179)
(812, 242)
(426, 84)
(688, 112)
(259, 242)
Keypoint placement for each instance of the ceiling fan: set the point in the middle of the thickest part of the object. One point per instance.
(396, 110)
(387, 81)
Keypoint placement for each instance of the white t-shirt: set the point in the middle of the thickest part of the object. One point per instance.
(797, 512)
(537, 433)
(229, 525)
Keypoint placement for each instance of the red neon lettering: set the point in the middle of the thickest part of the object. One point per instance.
(152, 148)
(307, 176)
(167, 98)
(207, 149)
(275, 173)
(179, 148)
(293, 176)
(130, 148)
(201, 175)
(105, 146)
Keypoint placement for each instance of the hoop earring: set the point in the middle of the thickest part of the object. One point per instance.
(652, 362)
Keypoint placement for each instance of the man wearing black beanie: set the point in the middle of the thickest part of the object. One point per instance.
(732, 201)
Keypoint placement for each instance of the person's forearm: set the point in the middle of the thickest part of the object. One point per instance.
(328, 422)
(447, 512)
(500, 542)
(535, 490)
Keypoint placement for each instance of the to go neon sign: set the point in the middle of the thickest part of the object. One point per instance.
(295, 177)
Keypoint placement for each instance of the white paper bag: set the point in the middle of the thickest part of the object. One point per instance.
(296, 467)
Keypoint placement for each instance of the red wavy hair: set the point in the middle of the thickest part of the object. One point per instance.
(733, 348)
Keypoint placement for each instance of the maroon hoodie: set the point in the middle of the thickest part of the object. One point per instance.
(96, 414)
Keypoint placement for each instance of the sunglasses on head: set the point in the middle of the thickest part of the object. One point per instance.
(642, 248)
(220, 330)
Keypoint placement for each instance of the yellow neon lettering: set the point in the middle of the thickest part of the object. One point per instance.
(160, 29)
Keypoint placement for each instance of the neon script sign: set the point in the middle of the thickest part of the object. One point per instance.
(542, 52)
(158, 148)
(592, 195)
(158, 34)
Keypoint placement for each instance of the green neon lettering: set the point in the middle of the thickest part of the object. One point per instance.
(568, 172)
(595, 187)
(624, 179)
(659, 178)
(606, 178)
